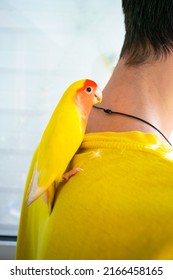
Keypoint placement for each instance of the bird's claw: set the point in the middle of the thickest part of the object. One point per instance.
(69, 174)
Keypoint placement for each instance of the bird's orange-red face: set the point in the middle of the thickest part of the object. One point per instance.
(90, 93)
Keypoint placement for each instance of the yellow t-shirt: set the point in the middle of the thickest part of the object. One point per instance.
(119, 207)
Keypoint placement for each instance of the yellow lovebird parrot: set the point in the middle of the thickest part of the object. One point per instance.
(60, 141)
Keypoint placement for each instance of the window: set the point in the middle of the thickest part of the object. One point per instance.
(45, 45)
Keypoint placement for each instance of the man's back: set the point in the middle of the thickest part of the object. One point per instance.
(119, 207)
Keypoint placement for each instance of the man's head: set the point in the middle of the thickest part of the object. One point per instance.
(149, 30)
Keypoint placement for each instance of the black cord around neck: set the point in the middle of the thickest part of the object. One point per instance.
(108, 111)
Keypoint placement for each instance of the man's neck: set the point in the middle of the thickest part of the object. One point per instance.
(145, 91)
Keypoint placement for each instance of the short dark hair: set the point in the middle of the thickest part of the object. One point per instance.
(149, 30)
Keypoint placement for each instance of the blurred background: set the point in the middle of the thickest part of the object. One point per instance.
(44, 46)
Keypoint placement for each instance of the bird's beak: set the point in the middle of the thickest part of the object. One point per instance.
(97, 96)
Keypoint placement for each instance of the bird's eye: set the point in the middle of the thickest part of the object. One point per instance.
(89, 90)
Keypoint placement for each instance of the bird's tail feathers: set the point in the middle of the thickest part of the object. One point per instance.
(34, 191)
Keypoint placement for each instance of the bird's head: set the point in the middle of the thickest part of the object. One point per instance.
(88, 95)
(90, 91)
